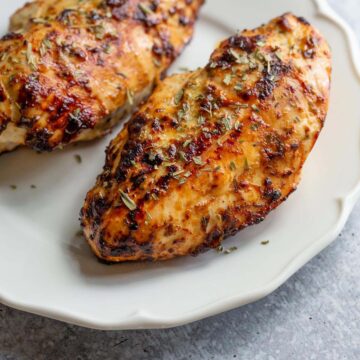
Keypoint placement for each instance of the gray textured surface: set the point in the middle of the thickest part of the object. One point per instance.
(315, 315)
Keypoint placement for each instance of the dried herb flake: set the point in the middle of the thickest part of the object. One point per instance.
(78, 158)
(178, 97)
(128, 202)
(198, 161)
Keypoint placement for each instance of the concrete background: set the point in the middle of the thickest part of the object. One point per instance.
(315, 315)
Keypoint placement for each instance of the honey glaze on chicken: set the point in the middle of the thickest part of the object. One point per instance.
(215, 150)
(70, 69)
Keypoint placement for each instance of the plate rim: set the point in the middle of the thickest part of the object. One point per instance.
(141, 319)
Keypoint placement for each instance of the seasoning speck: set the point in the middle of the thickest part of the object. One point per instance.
(255, 108)
(78, 158)
(220, 249)
(145, 9)
(227, 79)
(178, 97)
(30, 57)
(238, 87)
(13, 187)
(128, 202)
(148, 218)
(184, 68)
(130, 96)
(265, 242)
(246, 165)
(230, 250)
(197, 160)
(232, 166)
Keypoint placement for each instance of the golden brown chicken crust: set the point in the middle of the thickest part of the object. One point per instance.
(73, 69)
(215, 150)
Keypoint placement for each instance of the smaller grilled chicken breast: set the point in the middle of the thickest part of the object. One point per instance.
(70, 70)
(215, 150)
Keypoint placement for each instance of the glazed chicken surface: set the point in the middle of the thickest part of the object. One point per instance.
(215, 150)
(70, 69)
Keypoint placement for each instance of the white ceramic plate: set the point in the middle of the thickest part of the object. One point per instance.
(46, 269)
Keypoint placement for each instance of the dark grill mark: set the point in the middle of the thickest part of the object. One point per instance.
(184, 21)
(148, 20)
(30, 92)
(169, 230)
(264, 88)
(79, 53)
(272, 195)
(131, 152)
(172, 169)
(274, 147)
(172, 150)
(153, 160)
(137, 124)
(120, 174)
(96, 209)
(266, 85)
(196, 147)
(267, 182)
(128, 246)
(156, 125)
(82, 120)
(303, 20)
(166, 48)
(3, 123)
(64, 16)
(115, 3)
(284, 24)
(137, 181)
(133, 225)
(224, 61)
(39, 140)
(245, 43)
(12, 36)
(2, 94)
(253, 219)
(213, 238)
(279, 68)
(163, 182)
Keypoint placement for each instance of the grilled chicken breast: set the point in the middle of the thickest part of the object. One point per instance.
(215, 150)
(70, 69)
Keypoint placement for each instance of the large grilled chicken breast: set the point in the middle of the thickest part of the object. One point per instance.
(70, 69)
(215, 150)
